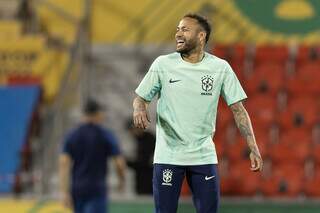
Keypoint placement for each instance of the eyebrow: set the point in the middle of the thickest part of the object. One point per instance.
(183, 27)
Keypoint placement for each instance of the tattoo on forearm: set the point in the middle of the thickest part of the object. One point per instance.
(244, 124)
(242, 120)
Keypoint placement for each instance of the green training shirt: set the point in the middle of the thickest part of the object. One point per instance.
(188, 97)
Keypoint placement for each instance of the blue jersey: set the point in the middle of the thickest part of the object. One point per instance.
(89, 146)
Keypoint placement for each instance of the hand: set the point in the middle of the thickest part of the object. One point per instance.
(66, 200)
(256, 162)
(140, 118)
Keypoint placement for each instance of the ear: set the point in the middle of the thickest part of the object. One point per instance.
(202, 36)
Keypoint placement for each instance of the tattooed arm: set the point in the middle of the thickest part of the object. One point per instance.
(140, 114)
(243, 122)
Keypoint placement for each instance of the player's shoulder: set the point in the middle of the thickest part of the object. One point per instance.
(218, 63)
(168, 57)
(215, 59)
(73, 133)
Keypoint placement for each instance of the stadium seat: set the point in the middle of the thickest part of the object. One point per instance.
(185, 190)
(266, 78)
(262, 109)
(236, 179)
(294, 146)
(23, 80)
(231, 53)
(263, 139)
(226, 181)
(224, 115)
(315, 150)
(239, 150)
(304, 55)
(274, 54)
(300, 112)
(285, 181)
(10, 29)
(219, 145)
(245, 182)
(311, 184)
(234, 55)
(220, 51)
(304, 80)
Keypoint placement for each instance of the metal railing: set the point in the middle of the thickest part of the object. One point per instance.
(55, 116)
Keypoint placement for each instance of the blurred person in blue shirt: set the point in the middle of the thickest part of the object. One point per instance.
(142, 164)
(83, 163)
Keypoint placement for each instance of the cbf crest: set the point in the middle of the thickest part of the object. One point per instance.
(167, 177)
(207, 85)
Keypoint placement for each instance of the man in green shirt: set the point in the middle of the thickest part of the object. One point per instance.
(188, 84)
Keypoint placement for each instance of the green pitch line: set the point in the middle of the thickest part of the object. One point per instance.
(226, 207)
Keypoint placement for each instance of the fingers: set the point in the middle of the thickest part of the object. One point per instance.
(256, 164)
(148, 118)
(141, 120)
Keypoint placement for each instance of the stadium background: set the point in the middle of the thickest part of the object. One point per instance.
(55, 53)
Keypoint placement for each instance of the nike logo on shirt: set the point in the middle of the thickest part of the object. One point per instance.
(208, 178)
(173, 81)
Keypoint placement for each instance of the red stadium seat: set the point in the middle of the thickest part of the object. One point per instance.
(263, 139)
(266, 78)
(219, 144)
(226, 181)
(262, 110)
(285, 181)
(239, 150)
(246, 182)
(220, 51)
(300, 112)
(227, 185)
(294, 146)
(231, 53)
(304, 55)
(224, 115)
(267, 53)
(305, 80)
(234, 55)
(315, 150)
(185, 190)
(23, 80)
(311, 186)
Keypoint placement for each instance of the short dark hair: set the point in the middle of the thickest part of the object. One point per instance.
(91, 107)
(203, 21)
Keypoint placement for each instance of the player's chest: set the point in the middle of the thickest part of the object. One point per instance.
(194, 82)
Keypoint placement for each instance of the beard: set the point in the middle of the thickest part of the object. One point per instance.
(188, 47)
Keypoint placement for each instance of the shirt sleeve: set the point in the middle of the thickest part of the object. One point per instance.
(150, 84)
(66, 147)
(112, 144)
(231, 90)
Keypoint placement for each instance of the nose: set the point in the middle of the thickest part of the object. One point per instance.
(178, 33)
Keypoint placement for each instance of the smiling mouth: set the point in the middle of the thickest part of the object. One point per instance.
(180, 43)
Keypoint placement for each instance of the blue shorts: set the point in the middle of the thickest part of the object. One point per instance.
(97, 204)
(203, 181)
